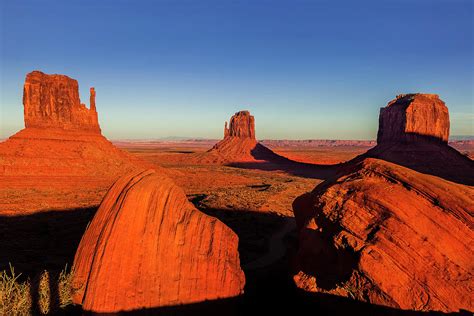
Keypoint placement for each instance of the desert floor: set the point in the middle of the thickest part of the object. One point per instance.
(42, 219)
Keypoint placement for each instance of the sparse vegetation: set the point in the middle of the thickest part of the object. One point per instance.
(353, 292)
(65, 288)
(15, 298)
(37, 296)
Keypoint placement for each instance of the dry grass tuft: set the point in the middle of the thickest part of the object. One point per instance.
(38, 296)
(44, 294)
(15, 296)
(65, 288)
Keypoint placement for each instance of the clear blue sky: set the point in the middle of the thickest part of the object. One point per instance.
(305, 69)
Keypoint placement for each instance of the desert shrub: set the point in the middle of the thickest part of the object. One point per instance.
(16, 295)
(65, 288)
(44, 294)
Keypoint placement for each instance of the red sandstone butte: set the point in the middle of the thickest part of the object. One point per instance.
(148, 247)
(242, 125)
(387, 234)
(62, 137)
(411, 117)
(413, 132)
(61, 147)
(239, 144)
(239, 140)
(52, 101)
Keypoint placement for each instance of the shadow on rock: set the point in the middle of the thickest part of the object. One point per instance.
(428, 156)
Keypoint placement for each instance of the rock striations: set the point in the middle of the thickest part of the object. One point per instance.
(388, 234)
(148, 247)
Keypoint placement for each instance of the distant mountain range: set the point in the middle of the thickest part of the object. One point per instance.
(313, 142)
(461, 137)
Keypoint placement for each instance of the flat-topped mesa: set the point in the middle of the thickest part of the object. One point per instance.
(242, 124)
(52, 101)
(413, 118)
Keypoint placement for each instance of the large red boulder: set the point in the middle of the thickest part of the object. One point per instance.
(53, 101)
(414, 117)
(388, 235)
(148, 247)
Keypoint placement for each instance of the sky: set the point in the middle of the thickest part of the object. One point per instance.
(304, 69)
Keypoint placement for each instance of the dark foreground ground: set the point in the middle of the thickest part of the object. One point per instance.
(47, 241)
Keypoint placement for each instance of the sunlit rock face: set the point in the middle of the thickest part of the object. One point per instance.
(414, 131)
(394, 226)
(52, 101)
(239, 143)
(412, 118)
(149, 247)
(388, 235)
(62, 137)
(242, 125)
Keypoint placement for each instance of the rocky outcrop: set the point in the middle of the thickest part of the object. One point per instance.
(388, 235)
(52, 101)
(394, 226)
(413, 132)
(239, 143)
(61, 136)
(413, 118)
(60, 145)
(147, 247)
(242, 125)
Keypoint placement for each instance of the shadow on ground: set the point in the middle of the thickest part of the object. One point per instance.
(271, 161)
(48, 240)
(296, 304)
(428, 157)
(253, 228)
(43, 241)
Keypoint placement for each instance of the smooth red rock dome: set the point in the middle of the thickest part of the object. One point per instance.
(149, 247)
